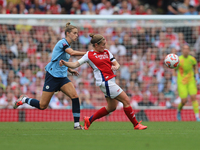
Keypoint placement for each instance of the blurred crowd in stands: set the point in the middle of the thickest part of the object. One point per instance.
(25, 50)
(101, 7)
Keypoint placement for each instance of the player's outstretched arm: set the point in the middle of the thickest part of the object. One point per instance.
(74, 53)
(72, 65)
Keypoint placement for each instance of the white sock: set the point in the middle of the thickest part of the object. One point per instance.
(76, 124)
(23, 99)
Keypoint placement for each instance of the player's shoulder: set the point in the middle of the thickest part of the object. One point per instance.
(106, 50)
(63, 42)
(192, 57)
(180, 57)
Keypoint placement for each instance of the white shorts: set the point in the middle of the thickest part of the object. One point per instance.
(110, 89)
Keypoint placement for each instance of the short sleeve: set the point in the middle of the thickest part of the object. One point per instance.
(112, 58)
(64, 45)
(83, 59)
(194, 61)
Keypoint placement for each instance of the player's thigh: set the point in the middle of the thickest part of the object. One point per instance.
(112, 104)
(192, 88)
(45, 99)
(182, 91)
(69, 90)
(122, 97)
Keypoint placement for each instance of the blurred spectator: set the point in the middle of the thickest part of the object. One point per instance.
(108, 10)
(10, 77)
(84, 39)
(117, 48)
(192, 11)
(37, 8)
(84, 96)
(76, 9)
(3, 101)
(125, 10)
(101, 5)
(184, 7)
(123, 85)
(153, 93)
(15, 66)
(173, 7)
(22, 8)
(3, 72)
(91, 9)
(58, 101)
(10, 98)
(141, 10)
(66, 6)
(85, 6)
(27, 80)
(10, 7)
(168, 93)
(145, 101)
(137, 95)
(54, 7)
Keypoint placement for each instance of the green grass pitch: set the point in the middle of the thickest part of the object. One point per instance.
(100, 136)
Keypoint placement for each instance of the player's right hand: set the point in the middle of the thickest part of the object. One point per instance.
(61, 63)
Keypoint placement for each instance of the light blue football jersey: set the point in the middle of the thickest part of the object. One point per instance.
(58, 53)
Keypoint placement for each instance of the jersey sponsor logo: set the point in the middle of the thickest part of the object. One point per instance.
(105, 56)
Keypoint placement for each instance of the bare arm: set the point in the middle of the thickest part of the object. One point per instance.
(72, 65)
(182, 9)
(115, 66)
(195, 69)
(174, 73)
(74, 53)
(196, 74)
(171, 9)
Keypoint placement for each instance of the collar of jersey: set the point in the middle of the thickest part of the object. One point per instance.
(66, 41)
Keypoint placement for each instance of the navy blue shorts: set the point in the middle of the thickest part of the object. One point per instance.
(52, 84)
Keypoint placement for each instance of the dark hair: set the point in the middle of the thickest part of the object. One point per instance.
(191, 6)
(69, 28)
(96, 38)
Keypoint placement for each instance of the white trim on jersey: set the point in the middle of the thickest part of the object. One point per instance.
(97, 73)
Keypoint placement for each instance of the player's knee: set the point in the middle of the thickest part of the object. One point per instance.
(43, 107)
(126, 102)
(111, 109)
(184, 102)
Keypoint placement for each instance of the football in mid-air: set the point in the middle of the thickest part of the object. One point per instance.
(171, 61)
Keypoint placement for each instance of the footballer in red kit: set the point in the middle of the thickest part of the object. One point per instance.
(104, 64)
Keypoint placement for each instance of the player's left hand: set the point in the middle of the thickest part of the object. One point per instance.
(73, 72)
(114, 68)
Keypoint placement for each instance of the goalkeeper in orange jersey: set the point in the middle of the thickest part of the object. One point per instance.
(187, 72)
